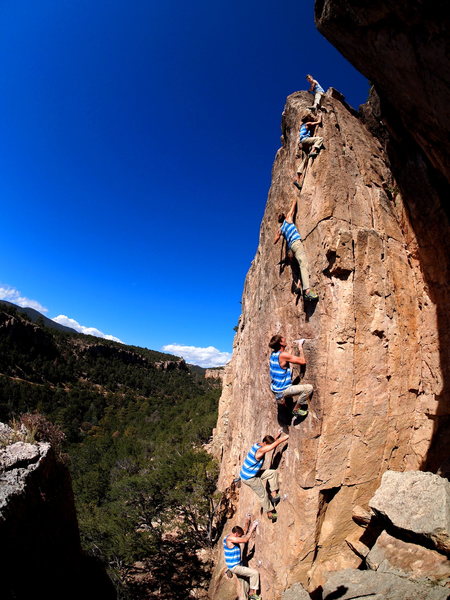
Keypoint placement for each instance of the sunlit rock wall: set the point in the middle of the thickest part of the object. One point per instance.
(376, 346)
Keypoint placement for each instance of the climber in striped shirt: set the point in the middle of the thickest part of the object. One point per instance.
(307, 139)
(233, 559)
(280, 374)
(253, 475)
(294, 242)
(316, 90)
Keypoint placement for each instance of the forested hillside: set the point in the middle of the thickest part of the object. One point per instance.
(134, 422)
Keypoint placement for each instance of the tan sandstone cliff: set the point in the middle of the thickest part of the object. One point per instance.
(377, 350)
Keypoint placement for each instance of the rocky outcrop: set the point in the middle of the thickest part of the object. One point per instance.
(376, 344)
(216, 373)
(40, 553)
(171, 365)
(130, 357)
(414, 94)
(373, 214)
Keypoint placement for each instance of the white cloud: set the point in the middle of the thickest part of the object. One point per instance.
(10, 294)
(68, 322)
(203, 357)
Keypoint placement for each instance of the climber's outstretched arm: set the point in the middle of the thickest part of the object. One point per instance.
(235, 539)
(277, 237)
(312, 124)
(291, 214)
(269, 447)
(291, 358)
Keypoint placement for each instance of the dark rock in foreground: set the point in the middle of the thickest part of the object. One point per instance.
(40, 552)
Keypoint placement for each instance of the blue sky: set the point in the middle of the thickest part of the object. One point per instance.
(136, 146)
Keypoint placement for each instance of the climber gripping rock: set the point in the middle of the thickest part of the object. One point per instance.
(280, 373)
(309, 145)
(316, 90)
(308, 140)
(233, 559)
(253, 475)
(294, 241)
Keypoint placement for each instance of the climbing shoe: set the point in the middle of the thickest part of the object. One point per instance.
(297, 185)
(275, 500)
(254, 597)
(273, 516)
(300, 412)
(229, 574)
(311, 295)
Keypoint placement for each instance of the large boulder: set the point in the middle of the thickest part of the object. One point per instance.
(391, 555)
(363, 585)
(416, 503)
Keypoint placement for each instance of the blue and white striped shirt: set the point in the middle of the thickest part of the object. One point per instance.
(281, 378)
(304, 132)
(289, 230)
(232, 555)
(318, 88)
(252, 465)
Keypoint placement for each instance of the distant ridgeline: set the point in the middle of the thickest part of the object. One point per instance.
(135, 421)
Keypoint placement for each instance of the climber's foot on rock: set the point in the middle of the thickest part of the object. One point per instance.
(310, 294)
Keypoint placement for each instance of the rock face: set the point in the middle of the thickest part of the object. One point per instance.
(377, 344)
(418, 503)
(40, 553)
(412, 101)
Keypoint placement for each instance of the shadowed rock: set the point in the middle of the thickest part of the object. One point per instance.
(40, 552)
